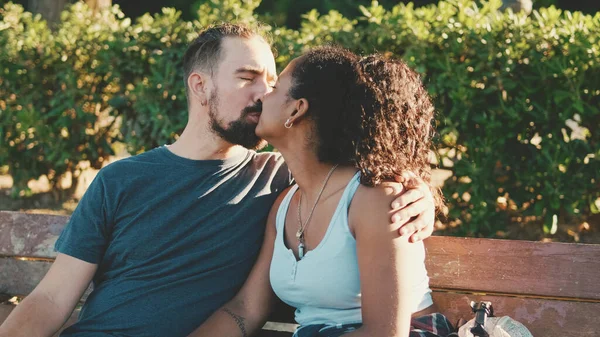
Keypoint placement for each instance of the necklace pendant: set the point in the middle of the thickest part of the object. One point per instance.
(299, 233)
(300, 250)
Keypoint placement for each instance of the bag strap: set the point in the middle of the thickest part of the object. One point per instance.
(482, 310)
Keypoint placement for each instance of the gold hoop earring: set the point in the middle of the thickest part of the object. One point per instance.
(288, 124)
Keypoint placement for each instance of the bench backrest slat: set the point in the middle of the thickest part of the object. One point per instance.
(514, 267)
(19, 278)
(29, 235)
(548, 318)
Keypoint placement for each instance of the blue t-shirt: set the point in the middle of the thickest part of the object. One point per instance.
(174, 239)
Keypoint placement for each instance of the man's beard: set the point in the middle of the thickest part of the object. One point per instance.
(240, 131)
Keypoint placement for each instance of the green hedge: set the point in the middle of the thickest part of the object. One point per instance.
(518, 97)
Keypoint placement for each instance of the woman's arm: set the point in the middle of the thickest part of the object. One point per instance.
(385, 263)
(249, 309)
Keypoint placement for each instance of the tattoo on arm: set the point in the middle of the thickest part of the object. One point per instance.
(239, 320)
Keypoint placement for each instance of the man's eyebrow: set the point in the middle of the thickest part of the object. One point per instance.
(248, 69)
(256, 71)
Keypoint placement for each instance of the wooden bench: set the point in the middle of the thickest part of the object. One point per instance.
(552, 288)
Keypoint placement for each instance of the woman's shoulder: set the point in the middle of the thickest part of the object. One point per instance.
(376, 197)
(372, 204)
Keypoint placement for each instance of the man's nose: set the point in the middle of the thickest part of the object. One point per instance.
(269, 90)
(263, 88)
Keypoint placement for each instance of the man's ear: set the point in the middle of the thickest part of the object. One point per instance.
(198, 84)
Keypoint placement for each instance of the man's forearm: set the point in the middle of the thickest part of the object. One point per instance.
(35, 316)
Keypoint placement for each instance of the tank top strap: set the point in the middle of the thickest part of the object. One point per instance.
(340, 219)
(283, 208)
(350, 190)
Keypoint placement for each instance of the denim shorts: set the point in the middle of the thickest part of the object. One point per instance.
(431, 325)
(324, 330)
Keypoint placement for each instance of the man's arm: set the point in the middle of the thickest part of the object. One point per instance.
(51, 303)
(249, 309)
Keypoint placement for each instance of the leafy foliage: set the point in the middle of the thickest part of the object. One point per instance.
(518, 96)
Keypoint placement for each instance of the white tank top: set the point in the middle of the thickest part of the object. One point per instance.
(324, 286)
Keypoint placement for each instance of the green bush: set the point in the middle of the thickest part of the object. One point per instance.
(518, 96)
(53, 100)
(146, 63)
(519, 102)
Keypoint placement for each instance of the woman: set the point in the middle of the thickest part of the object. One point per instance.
(344, 126)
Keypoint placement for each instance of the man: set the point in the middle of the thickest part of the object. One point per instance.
(170, 235)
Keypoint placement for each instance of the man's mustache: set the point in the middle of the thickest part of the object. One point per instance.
(256, 107)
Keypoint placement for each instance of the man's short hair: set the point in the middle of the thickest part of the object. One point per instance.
(205, 51)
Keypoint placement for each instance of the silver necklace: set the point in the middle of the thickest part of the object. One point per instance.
(302, 227)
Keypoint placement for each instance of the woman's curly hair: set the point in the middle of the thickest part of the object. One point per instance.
(397, 123)
(373, 113)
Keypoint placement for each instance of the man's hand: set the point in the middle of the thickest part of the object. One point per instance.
(414, 208)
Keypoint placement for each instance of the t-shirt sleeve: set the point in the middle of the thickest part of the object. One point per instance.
(86, 235)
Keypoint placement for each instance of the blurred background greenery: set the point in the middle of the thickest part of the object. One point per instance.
(289, 12)
(517, 94)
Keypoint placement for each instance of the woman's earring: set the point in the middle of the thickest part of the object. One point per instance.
(288, 124)
(203, 103)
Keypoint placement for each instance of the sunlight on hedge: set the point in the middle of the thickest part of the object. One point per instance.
(518, 96)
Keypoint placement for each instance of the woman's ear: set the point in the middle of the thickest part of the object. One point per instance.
(300, 109)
